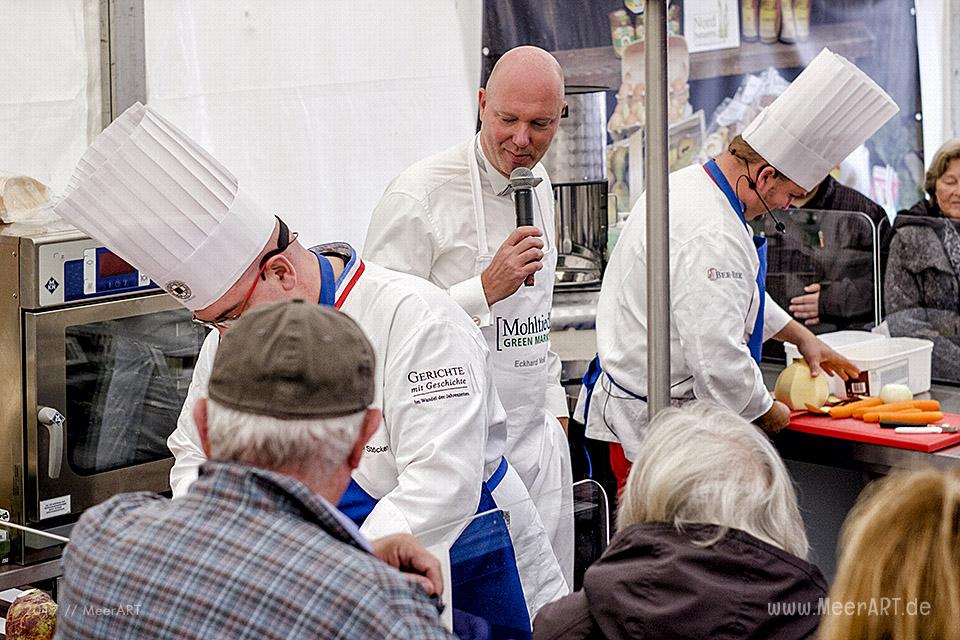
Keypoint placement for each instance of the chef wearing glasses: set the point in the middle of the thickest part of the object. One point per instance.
(438, 455)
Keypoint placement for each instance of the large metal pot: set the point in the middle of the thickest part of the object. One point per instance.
(581, 218)
(576, 163)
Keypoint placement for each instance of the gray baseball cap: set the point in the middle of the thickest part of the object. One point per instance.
(294, 360)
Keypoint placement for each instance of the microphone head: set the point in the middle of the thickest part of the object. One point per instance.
(522, 178)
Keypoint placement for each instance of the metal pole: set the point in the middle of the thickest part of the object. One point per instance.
(658, 219)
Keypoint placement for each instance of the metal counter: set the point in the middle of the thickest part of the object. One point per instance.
(829, 473)
(872, 458)
(576, 347)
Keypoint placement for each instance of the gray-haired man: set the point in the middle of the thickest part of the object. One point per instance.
(256, 548)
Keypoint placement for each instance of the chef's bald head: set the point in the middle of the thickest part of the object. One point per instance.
(531, 70)
(520, 108)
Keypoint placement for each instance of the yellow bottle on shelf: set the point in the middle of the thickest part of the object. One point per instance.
(769, 15)
(801, 14)
(748, 20)
(788, 24)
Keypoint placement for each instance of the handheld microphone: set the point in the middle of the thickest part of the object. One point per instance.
(522, 182)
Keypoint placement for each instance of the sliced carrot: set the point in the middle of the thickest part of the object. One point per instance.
(924, 417)
(874, 416)
(846, 410)
(817, 410)
(923, 405)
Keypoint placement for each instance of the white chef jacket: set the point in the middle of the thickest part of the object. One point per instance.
(443, 220)
(424, 225)
(713, 306)
(441, 436)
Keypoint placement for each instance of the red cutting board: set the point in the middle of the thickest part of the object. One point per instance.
(872, 433)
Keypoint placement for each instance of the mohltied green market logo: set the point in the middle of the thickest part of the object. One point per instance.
(513, 333)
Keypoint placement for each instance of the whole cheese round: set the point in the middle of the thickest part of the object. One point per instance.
(796, 388)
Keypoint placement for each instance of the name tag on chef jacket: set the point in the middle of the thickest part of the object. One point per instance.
(736, 278)
(440, 385)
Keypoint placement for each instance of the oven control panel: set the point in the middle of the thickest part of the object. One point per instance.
(79, 270)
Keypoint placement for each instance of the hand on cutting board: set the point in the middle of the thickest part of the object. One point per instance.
(806, 308)
(403, 552)
(518, 257)
(775, 419)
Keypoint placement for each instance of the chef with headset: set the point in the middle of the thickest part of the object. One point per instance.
(720, 314)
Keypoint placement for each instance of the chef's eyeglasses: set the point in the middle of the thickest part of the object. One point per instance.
(283, 241)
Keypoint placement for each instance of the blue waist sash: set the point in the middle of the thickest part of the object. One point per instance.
(488, 599)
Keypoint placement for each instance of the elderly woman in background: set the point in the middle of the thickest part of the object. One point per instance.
(710, 543)
(922, 285)
(899, 572)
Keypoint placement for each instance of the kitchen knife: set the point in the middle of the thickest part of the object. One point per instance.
(914, 429)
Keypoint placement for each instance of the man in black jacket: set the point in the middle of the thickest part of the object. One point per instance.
(821, 270)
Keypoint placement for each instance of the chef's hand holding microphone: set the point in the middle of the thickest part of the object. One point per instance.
(520, 255)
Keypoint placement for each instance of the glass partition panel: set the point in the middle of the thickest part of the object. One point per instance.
(823, 269)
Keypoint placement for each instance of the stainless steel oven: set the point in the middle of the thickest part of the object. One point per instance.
(96, 363)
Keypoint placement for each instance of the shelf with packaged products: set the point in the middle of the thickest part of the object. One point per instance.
(600, 67)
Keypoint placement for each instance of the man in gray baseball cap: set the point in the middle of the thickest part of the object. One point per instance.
(285, 423)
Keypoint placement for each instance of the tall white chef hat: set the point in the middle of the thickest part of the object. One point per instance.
(827, 112)
(158, 200)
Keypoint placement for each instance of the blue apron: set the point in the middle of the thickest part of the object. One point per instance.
(488, 598)
(755, 343)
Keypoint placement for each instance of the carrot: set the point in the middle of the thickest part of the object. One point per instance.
(817, 410)
(846, 410)
(874, 416)
(924, 417)
(923, 405)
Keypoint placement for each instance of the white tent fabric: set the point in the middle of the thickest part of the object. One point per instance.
(934, 36)
(50, 79)
(316, 106)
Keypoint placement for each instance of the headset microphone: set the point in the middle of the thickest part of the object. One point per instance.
(752, 185)
(781, 228)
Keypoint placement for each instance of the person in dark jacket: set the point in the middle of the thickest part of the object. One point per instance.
(710, 543)
(922, 286)
(821, 269)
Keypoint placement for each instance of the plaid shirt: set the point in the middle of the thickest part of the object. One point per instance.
(247, 553)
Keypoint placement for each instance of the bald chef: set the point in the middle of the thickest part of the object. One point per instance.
(161, 202)
(719, 312)
(450, 219)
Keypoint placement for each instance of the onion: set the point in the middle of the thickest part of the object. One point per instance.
(895, 393)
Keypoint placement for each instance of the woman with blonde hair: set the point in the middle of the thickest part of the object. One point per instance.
(899, 571)
(710, 543)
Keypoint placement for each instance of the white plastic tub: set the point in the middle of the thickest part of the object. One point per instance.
(892, 361)
(881, 361)
(836, 340)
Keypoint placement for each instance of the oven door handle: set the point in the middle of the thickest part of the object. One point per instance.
(54, 421)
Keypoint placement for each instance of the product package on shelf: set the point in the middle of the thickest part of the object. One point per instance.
(734, 114)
